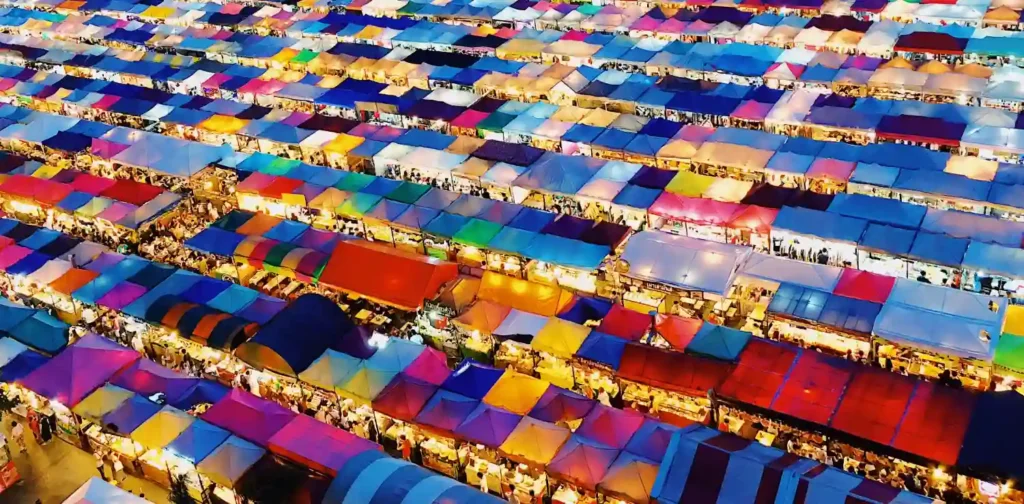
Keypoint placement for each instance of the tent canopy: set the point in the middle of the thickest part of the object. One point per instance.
(400, 279)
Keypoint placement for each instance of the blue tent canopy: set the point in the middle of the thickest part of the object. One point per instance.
(893, 240)
(197, 441)
(215, 241)
(987, 449)
(21, 365)
(798, 301)
(566, 252)
(938, 249)
(719, 342)
(880, 210)
(824, 225)
(603, 348)
(993, 258)
(472, 379)
(319, 320)
(849, 314)
(372, 476)
(42, 332)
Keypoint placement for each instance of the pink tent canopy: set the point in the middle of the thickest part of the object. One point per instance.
(430, 366)
(249, 417)
(11, 255)
(79, 370)
(317, 445)
(121, 295)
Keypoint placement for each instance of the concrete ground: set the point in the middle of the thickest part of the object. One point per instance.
(52, 472)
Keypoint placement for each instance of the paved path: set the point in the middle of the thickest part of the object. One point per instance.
(52, 472)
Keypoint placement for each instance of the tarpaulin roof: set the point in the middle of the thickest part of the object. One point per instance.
(372, 476)
(674, 371)
(516, 392)
(401, 279)
(229, 461)
(630, 477)
(162, 428)
(582, 462)
(534, 441)
(561, 405)
(986, 447)
(316, 445)
(146, 378)
(683, 262)
(431, 366)
(79, 369)
(404, 397)
(319, 321)
(248, 416)
(609, 426)
(98, 490)
(445, 411)
(703, 465)
(487, 425)
(197, 441)
(472, 379)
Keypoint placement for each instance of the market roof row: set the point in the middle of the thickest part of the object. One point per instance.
(228, 443)
(543, 23)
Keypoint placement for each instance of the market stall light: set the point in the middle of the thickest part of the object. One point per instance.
(378, 340)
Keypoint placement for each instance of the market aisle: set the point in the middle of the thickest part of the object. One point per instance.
(55, 471)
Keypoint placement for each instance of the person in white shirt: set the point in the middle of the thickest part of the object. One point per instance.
(483, 483)
(603, 398)
(18, 433)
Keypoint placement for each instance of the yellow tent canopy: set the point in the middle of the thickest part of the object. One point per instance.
(162, 428)
(223, 124)
(343, 143)
(516, 392)
(560, 338)
(689, 184)
(1014, 320)
(101, 402)
(534, 441)
(546, 300)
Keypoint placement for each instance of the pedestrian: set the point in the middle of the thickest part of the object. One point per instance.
(483, 483)
(100, 464)
(406, 448)
(118, 472)
(33, 423)
(18, 433)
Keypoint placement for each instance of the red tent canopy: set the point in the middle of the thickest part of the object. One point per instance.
(684, 373)
(874, 404)
(696, 210)
(930, 42)
(813, 387)
(387, 275)
(935, 422)
(756, 218)
(625, 323)
(132, 192)
(864, 286)
(677, 331)
(760, 372)
(316, 445)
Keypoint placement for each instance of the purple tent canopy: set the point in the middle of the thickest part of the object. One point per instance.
(146, 378)
(561, 405)
(79, 370)
(262, 309)
(568, 226)
(653, 178)
(488, 425)
(921, 129)
(121, 295)
(606, 233)
(430, 109)
(446, 410)
(249, 417)
(502, 152)
(131, 414)
(651, 440)
(104, 261)
(319, 240)
(356, 343)
(869, 5)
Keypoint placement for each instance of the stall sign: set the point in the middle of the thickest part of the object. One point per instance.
(8, 476)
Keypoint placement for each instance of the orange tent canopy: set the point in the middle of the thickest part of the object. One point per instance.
(72, 280)
(523, 295)
(386, 275)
